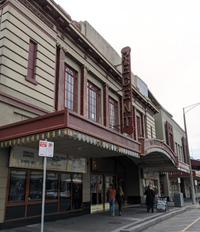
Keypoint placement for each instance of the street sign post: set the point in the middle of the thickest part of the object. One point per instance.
(46, 149)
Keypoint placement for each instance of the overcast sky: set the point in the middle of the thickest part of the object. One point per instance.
(164, 36)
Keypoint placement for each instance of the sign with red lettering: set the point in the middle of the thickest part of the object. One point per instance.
(127, 91)
(46, 148)
(50, 148)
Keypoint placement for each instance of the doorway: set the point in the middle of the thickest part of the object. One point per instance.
(99, 186)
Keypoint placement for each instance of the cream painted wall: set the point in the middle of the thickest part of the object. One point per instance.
(165, 179)
(3, 180)
(16, 32)
(178, 132)
(10, 114)
(150, 126)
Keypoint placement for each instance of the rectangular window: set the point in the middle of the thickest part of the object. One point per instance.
(77, 191)
(113, 111)
(31, 63)
(35, 189)
(17, 187)
(70, 89)
(65, 192)
(52, 186)
(138, 126)
(170, 136)
(93, 102)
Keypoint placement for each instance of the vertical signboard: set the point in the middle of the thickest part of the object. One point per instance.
(127, 91)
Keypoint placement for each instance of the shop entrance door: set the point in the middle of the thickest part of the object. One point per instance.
(108, 180)
(97, 196)
(100, 185)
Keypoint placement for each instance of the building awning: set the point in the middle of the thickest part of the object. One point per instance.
(71, 134)
(157, 156)
(76, 135)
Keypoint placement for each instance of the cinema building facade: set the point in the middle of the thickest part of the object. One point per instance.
(60, 83)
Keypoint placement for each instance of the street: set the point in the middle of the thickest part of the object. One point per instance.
(187, 221)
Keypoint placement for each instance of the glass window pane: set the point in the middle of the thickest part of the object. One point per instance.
(17, 186)
(52, 186)
(77, 191)
(65, 192)
(94, 190)
(36, 183)
(70, 87)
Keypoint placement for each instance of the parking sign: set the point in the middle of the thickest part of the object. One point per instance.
(46, 148)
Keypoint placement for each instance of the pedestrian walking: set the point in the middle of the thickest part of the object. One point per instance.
(111, 195)
(150, 197)
(120, 199)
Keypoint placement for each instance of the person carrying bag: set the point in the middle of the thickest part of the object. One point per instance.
(120, 199)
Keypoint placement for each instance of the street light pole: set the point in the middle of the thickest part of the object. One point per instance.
(188, 152)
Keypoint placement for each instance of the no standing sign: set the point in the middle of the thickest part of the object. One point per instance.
(46, 148)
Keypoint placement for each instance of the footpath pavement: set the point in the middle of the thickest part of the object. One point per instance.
(134, 219)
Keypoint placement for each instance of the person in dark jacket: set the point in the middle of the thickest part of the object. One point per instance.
(150, 197)
(120, 199)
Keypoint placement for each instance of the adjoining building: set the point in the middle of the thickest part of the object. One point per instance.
(61, 83)
(173, 135)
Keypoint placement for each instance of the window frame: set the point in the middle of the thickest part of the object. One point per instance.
(73, 74)
(32, 53)
(114, 116)
(93, 102)
(27, 202)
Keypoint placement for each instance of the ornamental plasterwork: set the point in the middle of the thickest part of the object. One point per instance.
(86, 67)
(61, 47)
(36, 12)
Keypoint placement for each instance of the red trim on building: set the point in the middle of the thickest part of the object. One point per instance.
(170, 135)
(105, 106)
(67, 119)
(127, 91)
(84, 91)
(181, 174)
(156, 143)
(35, 125)
(31, 63)
(22, 104)
(60, 80)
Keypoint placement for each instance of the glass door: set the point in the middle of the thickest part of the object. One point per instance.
(109, 180)
(97, 190)
(100, 190)
(94, 190)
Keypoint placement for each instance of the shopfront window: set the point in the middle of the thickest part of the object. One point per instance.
(52, 186)
(65, 192)
(153, 183)
(100, 189)
(17, 187)
(77, 191)
(35, 189)
(94, 190)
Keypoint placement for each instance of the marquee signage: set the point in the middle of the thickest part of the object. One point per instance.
(127, 91)
(25, 157)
